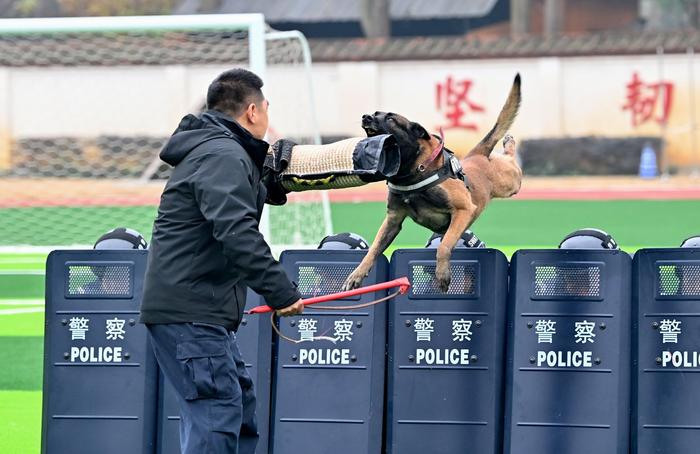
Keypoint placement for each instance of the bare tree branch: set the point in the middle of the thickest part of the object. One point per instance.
(375, 19)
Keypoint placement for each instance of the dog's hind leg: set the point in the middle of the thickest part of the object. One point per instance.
(386, 234)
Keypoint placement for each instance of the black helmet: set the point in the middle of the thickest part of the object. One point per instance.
(468, 239)
(343, 241)
(588, 239)
(121, 238)
(693, 241)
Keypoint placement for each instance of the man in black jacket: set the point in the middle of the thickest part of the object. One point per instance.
(205, 250)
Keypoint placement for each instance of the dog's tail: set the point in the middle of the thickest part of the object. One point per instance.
(503, 124)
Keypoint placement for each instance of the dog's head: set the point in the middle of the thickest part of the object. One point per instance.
(400, 127)
(411, 137)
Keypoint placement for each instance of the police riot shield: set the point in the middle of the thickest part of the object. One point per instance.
(446, 350)
(328, 389)
(568, 373)
(100, 378)
(666, 305)
(254, 339)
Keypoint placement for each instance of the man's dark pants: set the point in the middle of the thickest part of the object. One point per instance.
(213, 388)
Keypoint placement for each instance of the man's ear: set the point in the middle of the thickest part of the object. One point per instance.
(418, 131)
(252, 112)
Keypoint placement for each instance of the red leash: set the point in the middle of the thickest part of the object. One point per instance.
(401, 282)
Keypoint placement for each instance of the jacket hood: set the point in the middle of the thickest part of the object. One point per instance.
(193, 131)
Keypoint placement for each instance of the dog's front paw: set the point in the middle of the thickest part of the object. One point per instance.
(354, 280)
(443, 277)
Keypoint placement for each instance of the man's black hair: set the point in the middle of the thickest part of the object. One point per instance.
(233, 91)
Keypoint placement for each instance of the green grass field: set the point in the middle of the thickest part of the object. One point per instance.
(21, 353)
(507, 225)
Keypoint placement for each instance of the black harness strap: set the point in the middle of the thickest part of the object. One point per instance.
(451, 169)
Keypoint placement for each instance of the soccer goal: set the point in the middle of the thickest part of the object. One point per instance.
(89, 102)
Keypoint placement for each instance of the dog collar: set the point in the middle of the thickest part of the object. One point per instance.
(435, 153)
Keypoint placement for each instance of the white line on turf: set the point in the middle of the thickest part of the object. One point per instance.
(40, 249)
(4, 302)
(21, 272)
(28, 310)
(22, 260)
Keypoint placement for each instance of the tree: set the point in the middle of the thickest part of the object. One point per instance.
(115, 7)
(374, 17)
(670, 14)
(52, 8)
(692, 11)
(520, 23)
(553, 17)
(35, 8)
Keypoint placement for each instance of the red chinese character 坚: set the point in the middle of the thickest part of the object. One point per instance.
(648, 101)
(452, 97)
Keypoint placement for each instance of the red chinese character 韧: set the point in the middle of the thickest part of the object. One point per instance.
(648, 101)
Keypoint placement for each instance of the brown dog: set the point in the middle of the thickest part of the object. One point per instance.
(433, 192)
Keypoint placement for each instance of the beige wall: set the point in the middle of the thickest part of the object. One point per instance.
(561, 97)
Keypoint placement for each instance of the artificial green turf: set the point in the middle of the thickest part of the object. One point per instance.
(31, 325)
(21, 275)
(5, 305)
(503, 223)
(46, 226)
(23, 360)
(543, 223)
(22, 286)
(20, 422)
(10, 262)
(21, 354)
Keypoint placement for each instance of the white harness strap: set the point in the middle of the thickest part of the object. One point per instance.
(413, 187)
(451, 169)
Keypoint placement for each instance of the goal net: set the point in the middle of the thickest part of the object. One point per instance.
(89, 102)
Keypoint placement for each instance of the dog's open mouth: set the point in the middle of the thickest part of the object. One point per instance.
(368, 125)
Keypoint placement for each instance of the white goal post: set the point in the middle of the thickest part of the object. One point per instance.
(260, 42)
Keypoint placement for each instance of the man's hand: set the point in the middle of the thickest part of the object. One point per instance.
(295, 309)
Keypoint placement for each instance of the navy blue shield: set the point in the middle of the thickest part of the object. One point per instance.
(666, 401)
(329, 388)
(446, 351)
(568, 373)
(100, 378)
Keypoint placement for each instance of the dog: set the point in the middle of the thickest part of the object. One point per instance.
(449, 203)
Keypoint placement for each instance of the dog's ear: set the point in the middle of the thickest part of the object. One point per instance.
(418, 131)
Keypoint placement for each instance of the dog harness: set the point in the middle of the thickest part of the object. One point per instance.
(451, 169)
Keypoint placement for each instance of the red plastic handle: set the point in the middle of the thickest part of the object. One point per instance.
(401, 282)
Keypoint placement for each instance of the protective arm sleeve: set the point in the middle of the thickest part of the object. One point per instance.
(224, 190)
